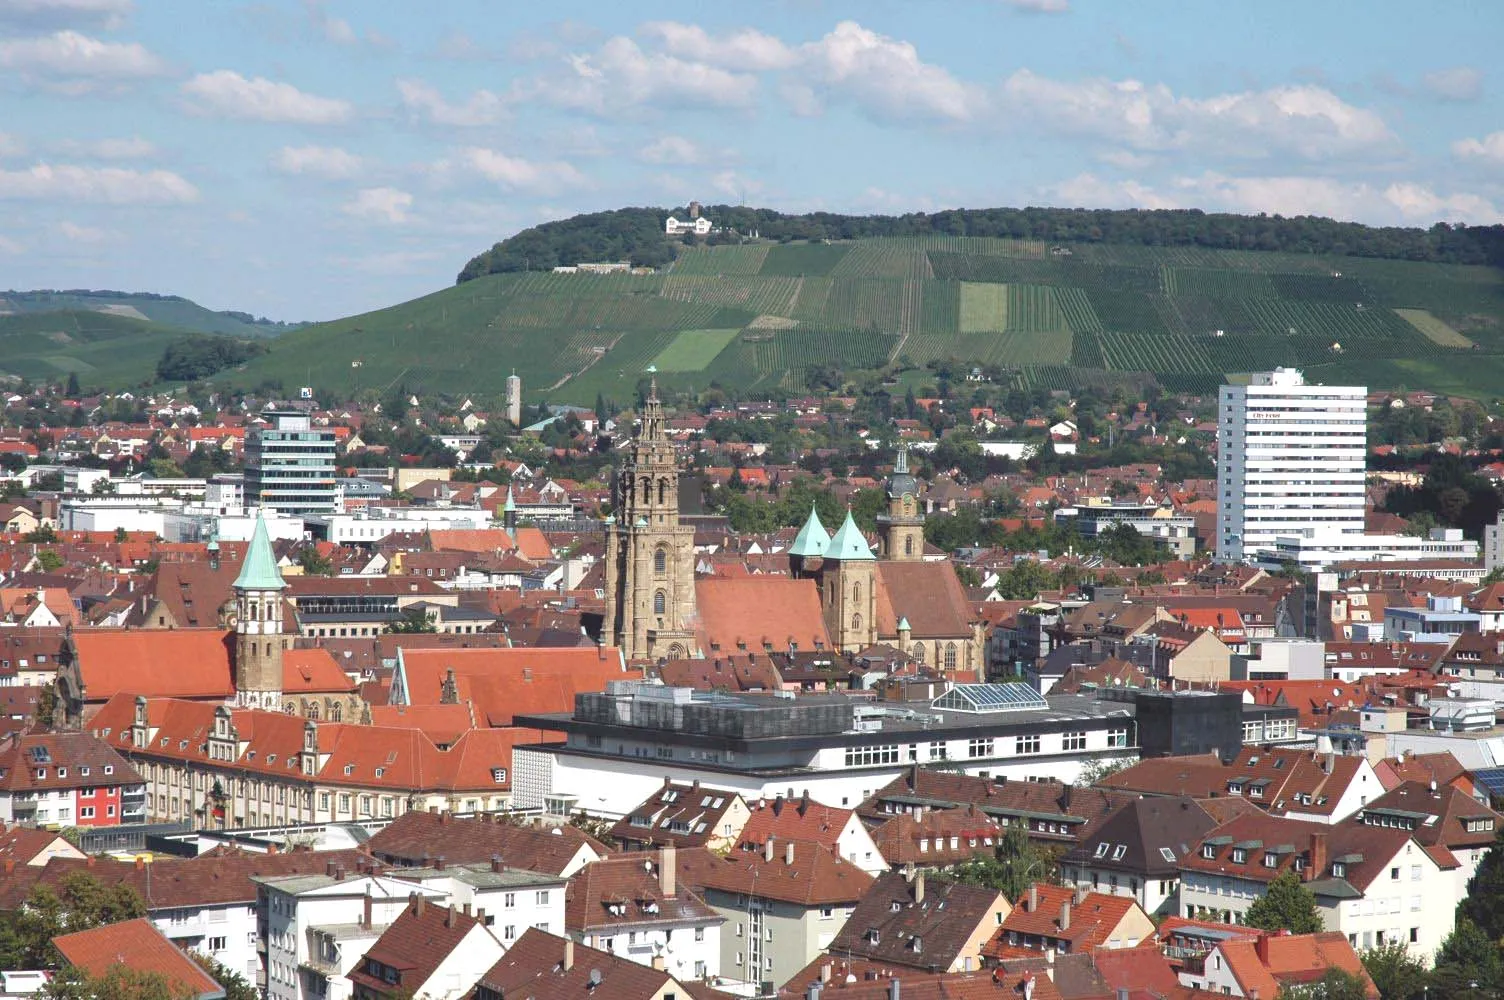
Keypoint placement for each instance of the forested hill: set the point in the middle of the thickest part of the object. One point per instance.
(636, 234)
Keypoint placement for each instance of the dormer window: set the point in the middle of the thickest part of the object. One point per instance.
(1119, 851)
(1239, 856)
(1271, 860)
(1208, 852)
(1102, 850)
(1339, 869)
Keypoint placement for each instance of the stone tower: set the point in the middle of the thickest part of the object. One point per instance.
(848, 589)
(650, 570)
(902, 525)
(259, 638)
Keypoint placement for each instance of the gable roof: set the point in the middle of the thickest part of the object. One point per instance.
(623, 890)
(414, 838)
(798, 872)
(1038, 913)
(928, 594)
(506, 682)
(175, 663)
(796, 819)
(943, 915)
(416, 944)
(677, 814)
(140, 947)
(1267, 963)
(1145, 836)
(535, 966)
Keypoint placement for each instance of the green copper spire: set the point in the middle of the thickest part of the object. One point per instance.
(509, 506)
(259, 571)
(812, 541)
(848, 543)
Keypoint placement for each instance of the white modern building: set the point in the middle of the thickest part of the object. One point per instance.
(1290, 461)
(289, 465)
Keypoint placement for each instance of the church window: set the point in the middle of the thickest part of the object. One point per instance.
(660, 561)
(950, 656)
(856, 592)
(908, 545)
(856, 623)
(289, 708)
(662, 489)
(253, 610)
(647, 490)
(313, 711)
(918, 651)
(268, 649)
(336, 712)
(660, 603)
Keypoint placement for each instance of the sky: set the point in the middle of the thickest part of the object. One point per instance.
(305, 160)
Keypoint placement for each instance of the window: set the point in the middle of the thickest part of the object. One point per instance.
(979, 748)
(217, 944)
(542, 897)
(1119, 851)
(938, 751)
(1102, 850)
(1117, 737)
(1394, 874)
(660, 561)
(1073, 741)
(1239, 856)
(86, 812)
(869, 756)
(509, 900)
(1271, 860)
(950, 656)
(1026, 744)
(660, 603)
(499, 775)
(699, 934)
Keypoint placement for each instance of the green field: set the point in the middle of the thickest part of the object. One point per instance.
(757, 316)
(692, 350)
(103, 349)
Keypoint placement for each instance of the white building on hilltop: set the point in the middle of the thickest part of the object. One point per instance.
(1290, 461)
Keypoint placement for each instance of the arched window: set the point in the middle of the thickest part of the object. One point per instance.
(908, 545)
(647, 490)
(253, 610)
(660, 603)
(313, 710)
(856, 623)
(660, 561)
(662, 489)
(290, 709)
(950, 656)
(268, 649)
(336, 712)
(918, 651)
(856, 592)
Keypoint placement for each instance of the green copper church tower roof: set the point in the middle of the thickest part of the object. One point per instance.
(259, 571)
(812, 541)
(849, 544)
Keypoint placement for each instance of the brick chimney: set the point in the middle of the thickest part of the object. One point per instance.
(1065, 915)
(449, 917)
(1261, 947)
(919, 888)
(365, 911)
(1317, 865)
(1033, 897)
(668, 870)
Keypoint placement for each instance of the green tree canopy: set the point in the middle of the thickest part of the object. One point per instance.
(1334, 985)
(80, 902)
(1397, 973)
(1285, 905)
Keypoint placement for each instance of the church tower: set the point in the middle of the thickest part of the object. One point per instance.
(902, 525)
(650, 569)
(259, 639)
(848, 589)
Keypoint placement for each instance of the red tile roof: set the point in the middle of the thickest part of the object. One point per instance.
(534, 966)
(140, 947)
(799, 872)
(174, 663)
(753, 612)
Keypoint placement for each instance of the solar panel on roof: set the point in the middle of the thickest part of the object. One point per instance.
(1492, 779)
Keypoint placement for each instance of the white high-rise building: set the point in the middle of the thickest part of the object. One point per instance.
(1290, 463)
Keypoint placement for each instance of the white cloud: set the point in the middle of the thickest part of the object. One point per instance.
(9, 246)
(226, 94)
(382, 204)
(57, 13)
(121, 148)
(74, 233)
(334, 29)
(423, 100)
(329, 162)
(1490, 148)
(672, 149)
(885, 77)
(520, 174)
(735, 186)
(1040, 6)
(1306, 121)
(10, 146)
(75, 62)
(1407, 203)
(620, 75)
(108, 185)
(745, 49)
(1458, 83)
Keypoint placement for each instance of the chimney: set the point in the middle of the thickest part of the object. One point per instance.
(421, 906)
(438, 863)
(767, 849)
(788, 853)
(496, 862)
(1065, 915)
(568, 953)
(1317, 865)
(668, 870)
(365, 912)
(659, 965)
(1122, 993)
(480, 914)
(813, 993)
(1261, 947)
(1033, 897)
(465, 909)
(778, 805)
(918, 887)
(140, 863)
(449, 917)
(893, 988)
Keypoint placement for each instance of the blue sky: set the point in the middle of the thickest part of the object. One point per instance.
(307, 160)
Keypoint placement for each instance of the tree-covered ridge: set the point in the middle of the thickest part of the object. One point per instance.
(636, 234)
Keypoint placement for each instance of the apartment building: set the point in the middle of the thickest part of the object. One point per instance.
(67, 779)
(1290, 462)
(289, 465)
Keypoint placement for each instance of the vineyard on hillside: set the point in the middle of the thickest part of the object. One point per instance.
(762, 315)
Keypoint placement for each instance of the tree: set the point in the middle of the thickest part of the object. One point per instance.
(71, 388)
(412, 622)
(80, 902)
(1484, 903)
(1468, 963)
(1336, 984)
(1100, 769)
(1015, 864)
(235, 985)
(46, 706)
(49, 560)
(45, 535)
(1285, 905)
(1397, 974)
(313, 563)
(102, 487)
(119, 983)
